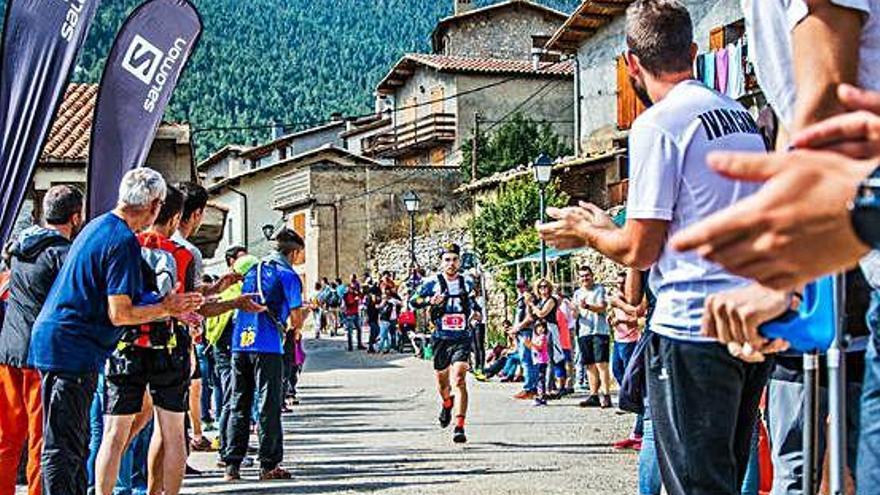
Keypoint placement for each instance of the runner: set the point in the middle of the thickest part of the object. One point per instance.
(453, 313)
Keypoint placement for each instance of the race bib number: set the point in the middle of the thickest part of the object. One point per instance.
(248, 337)
(454, 322)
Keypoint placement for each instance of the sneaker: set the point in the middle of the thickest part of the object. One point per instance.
(233, 473)
(638, 445)
(480, 377)
(540, 402)
(626, 443)
(458, 435)
(201, 445)
(592, 401)
(524, 395)
(247, 462)
(278, 473)
(446, 415)
(605, 402)
(215, 444)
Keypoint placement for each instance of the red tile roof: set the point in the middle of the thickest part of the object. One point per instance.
(69, 138)
(444, 63)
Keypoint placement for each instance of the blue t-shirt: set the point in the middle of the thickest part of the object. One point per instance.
(73, 332)
(282, 291)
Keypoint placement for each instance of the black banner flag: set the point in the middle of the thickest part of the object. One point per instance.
(41, 41)
(145, 63)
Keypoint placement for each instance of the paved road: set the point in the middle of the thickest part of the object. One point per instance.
(368, 424)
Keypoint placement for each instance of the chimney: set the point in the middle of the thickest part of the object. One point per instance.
(462, 6)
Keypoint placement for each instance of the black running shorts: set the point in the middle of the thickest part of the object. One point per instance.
(134, 370)
(447, 352)
(594, 348)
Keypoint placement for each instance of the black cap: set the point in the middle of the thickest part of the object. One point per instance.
(451, 248)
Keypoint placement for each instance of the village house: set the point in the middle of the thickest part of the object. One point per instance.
(486, 64)
(65, 157)
(605, 103)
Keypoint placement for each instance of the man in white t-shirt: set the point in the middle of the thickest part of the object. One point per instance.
(594, 337)
(703, 401)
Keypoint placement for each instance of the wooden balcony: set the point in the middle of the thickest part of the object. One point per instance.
(424, 133)
(617, 192)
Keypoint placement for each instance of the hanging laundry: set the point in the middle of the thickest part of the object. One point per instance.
(721, 70)
(736, 79)
(700, 67)
(709, 74)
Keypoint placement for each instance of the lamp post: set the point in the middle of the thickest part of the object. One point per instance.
(268, 231)
(412, 202)
(543, 169)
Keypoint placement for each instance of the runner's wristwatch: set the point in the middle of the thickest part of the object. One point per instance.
(865, 210)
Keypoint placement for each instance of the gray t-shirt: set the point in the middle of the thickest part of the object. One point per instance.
(198, 263)
(590, 322)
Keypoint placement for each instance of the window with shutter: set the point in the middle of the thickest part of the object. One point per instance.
(437, 99)
(299, 224)
(628, 104)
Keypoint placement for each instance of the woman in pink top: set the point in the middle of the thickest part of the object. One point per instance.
(541, 357)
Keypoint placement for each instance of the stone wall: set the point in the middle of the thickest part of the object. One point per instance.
(394, 255)
(498, 34)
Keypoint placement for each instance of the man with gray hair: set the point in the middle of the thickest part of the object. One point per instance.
(703, 401)
(98, 291)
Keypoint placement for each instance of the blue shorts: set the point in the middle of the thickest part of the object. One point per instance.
(560, 370)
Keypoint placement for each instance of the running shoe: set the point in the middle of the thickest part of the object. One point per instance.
(524, 395)
(446, 415)
(278, 473)
(626, 443)
(201, 445)
(233, 473)
(592, 401)
(458, 435)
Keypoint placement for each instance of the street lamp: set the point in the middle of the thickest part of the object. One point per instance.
(412, 202)
(268, 230)
(543, 168)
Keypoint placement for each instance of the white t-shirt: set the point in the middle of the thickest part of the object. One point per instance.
(669, 180)
(769, 24)
(590, 322)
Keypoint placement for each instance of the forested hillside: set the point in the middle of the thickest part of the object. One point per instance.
(287, 61)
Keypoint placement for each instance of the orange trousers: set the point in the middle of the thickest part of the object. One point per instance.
(21, 420)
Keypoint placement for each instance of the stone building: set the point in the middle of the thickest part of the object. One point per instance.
(486, 63)
(65, 157)
(335, 199)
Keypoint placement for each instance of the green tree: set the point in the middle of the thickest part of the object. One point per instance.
(504, 228)
(516, 142)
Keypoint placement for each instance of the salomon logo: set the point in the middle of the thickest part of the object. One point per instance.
(142, 59)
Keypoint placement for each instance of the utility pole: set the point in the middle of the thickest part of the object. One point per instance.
(475, 146)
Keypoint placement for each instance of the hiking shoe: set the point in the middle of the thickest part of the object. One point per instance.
(446, 415)
(233, 473)
(277, 473)
(592, 401)
(201, 445)
(524, 395)
(605, 402)
(458, 435)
